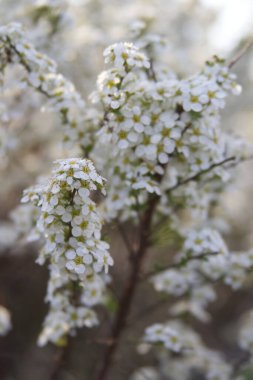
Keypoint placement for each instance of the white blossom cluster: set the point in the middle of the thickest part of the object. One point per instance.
(165, 335)
(71, 227)
(152, 134)
(204, 241)
(40, 73)
(204, 258)
(159, 130)
(193, 354)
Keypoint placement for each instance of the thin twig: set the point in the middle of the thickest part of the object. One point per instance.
(241, 53)
(125, 239)
(200, 173)
(147, 310)
(183, 262)
(162, 300)
(27, 67)
(59, 361)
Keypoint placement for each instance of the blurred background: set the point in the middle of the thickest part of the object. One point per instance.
(75, 33)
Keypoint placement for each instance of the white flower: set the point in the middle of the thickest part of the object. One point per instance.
(124, 55)
(164, 334)
(204, 241)
(174, 282)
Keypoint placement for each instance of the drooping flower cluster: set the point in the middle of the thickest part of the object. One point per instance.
(71, 227)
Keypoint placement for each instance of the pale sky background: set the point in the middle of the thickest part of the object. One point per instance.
(235, 20)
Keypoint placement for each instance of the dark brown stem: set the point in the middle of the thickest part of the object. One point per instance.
(59, 360)
(129, 291)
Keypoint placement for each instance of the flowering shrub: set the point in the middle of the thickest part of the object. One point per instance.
(157, 140)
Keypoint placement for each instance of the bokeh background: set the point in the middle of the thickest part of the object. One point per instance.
(74, 33)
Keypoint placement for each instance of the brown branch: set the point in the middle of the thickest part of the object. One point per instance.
(59, 361)
(241, 53)
(177, 207)
(129, 290)
(200, 173)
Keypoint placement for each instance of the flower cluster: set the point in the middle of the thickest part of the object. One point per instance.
(71, 226)
(194, 355)
(165, 335)
(204, 241)
(204, 257)
(125, 56)
(40, 73)
(150, 121)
